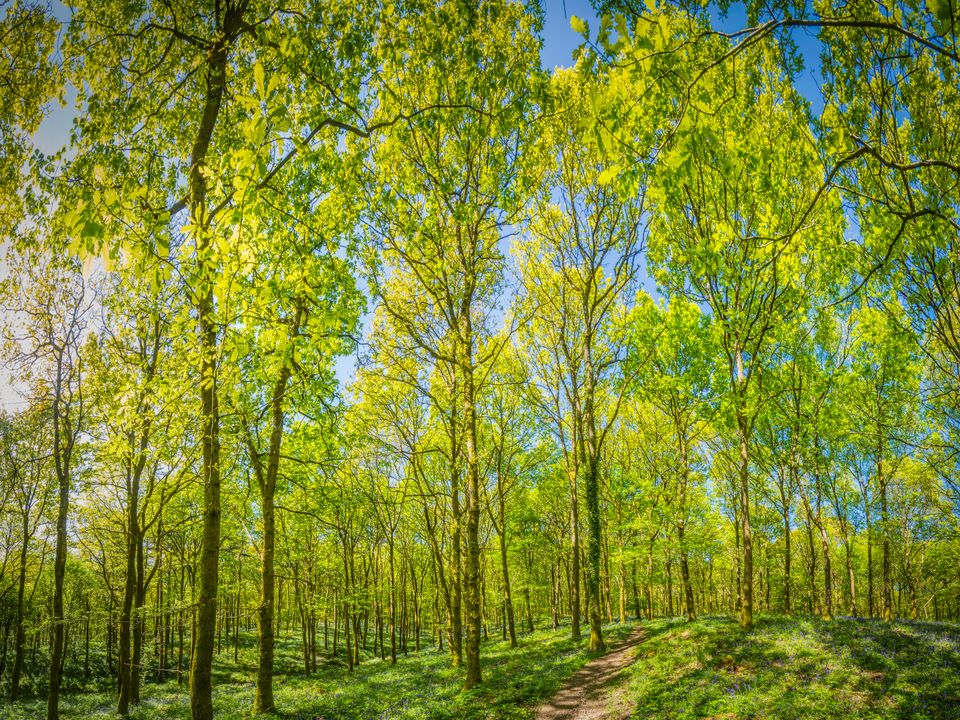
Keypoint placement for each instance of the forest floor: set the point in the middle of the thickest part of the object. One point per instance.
(788, 668)
(783, 669)
(597, 691)
(420, 686)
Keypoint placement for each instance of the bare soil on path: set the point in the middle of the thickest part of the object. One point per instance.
(597, 691)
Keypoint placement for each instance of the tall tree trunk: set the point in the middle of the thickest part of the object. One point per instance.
(20, 636)
(681, 528)
(622, 583)
(851, 579)
(393, 606)
(786, 562)
(62, 452)
(871, 608)
(746, 582)
(814, 600)
(456, 605)
(472, 585)
(139, 624)
(827, 569)
(130, 582)
(685, 575)
(263, 700)
(884, 536)
(59, 628)
(575, 560)
(504, 568)
(201, 688)
(590, 459)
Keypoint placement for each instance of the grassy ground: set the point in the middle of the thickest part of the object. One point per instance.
(783, 669)
(788, 668)
(421, 686)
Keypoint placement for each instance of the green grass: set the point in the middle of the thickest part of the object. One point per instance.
(421, 686)
(783, 669)
(787, 668)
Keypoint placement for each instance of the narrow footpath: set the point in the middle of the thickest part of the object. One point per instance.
(597, 691)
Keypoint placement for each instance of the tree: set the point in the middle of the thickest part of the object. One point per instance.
(299, 308)
(884, 381)
(28, 78)
(680, 382)
(580, 259)
(25, 443)
(219, 158)
(744, 243)
(454, 179)
(52, 300)
(512, 454)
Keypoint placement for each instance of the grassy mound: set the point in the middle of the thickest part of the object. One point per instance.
(786, 668)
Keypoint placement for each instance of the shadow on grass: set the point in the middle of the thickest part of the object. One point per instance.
(798, 668)
(911, 667)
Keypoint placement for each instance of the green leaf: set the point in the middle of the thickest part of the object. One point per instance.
(91, 229)
(610, 173)
(259, 79)
(579, 25)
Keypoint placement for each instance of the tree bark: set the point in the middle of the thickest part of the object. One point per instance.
(590, 458)
(575, 559)
(472, 585)
(20, 635)
(504, 567)
(201, 688)
(746, 582)
(263, 700)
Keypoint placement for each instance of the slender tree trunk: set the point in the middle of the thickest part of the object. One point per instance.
(622, 583)
(827, 571)
(201, 688)
(139, 625)
(62, 452)
(504, 568)
(472, 586)
(685, 575)
(393, 607)
(812, 576)
(786, 561)
(851, 579)
(20, 636)
(590, 458)
(681, 528)
(129, 589)
(456, 607)
(263, 700)
(884, 538)
(575, 560)
(746, 583)
(871, 608)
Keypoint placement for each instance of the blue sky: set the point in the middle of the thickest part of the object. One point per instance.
(559, 39)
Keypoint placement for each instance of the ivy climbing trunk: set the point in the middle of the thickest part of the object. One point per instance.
(590, 459)
(575, 552)
(472, 594)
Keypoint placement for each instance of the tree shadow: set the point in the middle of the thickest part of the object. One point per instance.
(909, 668)
(798, 668)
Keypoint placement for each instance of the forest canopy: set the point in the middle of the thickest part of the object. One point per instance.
(357, 320)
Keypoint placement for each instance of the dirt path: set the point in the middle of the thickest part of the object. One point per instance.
(597, 690)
